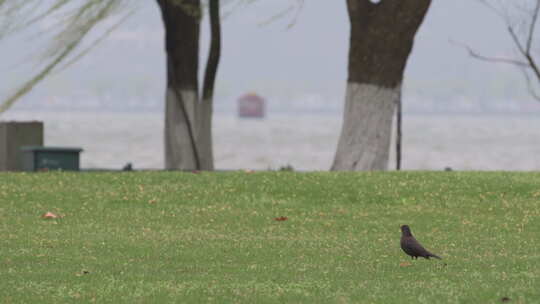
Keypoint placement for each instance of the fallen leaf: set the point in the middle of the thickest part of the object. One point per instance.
(505, 299)
(49, 215)
(281, 218)
(405, 264)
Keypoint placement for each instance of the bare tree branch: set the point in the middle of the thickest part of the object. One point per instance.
(298, 10)
(500, 13)
(293, 8)
(77, 24)
(530, 86)
(524, 48)
(532, 27)
(48, 69)
(477, 55)
(531, 63)
(516, 41)
(96, 42)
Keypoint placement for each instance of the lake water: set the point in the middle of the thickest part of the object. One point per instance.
(306, 142)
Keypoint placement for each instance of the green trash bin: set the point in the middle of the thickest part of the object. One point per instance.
(37, 158)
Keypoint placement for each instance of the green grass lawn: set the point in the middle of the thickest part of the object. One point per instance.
(164, 237)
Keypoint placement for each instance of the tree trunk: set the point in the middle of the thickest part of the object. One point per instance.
(381, 40)
(399, 131)
(206, 110)
(182, 30)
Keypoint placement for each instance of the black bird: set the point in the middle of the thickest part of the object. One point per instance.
(411, 246)
(128, 167)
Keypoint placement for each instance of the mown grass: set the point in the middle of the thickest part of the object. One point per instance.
(163, 237)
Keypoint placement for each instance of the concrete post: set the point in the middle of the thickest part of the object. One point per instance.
(14, 135)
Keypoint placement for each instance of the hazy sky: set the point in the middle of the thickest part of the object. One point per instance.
(304, 63)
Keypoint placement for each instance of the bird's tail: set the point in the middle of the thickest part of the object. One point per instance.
(435, 256)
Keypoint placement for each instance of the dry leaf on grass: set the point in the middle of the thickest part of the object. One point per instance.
(49, 215)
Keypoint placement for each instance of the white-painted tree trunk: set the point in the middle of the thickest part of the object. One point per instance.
(364, 143)
(179, 151)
